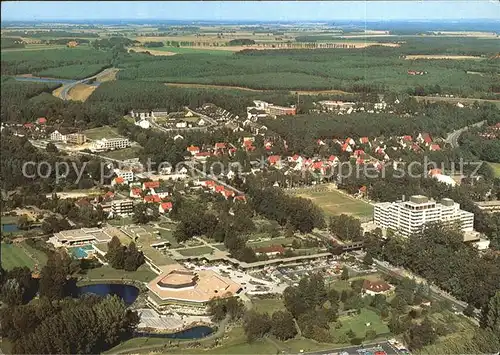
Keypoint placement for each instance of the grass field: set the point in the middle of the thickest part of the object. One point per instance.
(8, 220)
(101, 132)
(195, 251)
(274, 241)
(268, 305)
(334, 203)
(122, 154)
(143, 273)
(358, 323)
(14, 255)
(496, 169)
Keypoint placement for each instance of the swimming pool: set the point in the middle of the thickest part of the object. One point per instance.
(81, 252)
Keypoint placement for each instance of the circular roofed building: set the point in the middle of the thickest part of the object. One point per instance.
(187, 292)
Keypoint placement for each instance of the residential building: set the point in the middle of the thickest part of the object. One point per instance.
(281, 110)
(75, 138)
(272, 250)
(111, 144)
(118, 181)
(142, 114)
(127, 175)
(122, 207)
(165, 207)
(489, 206)
(57, 136)
(183, 291)
(410, 217)
(373, 288)
(143, 123)
(159, 112)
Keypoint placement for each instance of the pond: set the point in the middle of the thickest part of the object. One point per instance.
(9, 228)
(127, 293)
(197, 332)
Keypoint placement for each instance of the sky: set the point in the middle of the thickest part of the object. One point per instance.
(248, 10)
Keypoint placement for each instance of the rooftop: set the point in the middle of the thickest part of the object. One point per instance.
(178, 284)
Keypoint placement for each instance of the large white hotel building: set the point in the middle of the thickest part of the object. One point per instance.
(410, 217)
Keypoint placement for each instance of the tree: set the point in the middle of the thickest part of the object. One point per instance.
(283, 325)
(346, 227)
(371, 334)
(469, 310)
(420, 335)
(51, 148)
(12, 293)
(256, 325)
(368, 260)
(116, 254)
(23, 222)
(141, 215)
(493, 314)
(293, 301)
(133, 258)
(345, 273)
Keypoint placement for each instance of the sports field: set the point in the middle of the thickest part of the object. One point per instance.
(101, 132)
(14, 255)
(122, 154)
(333, 203)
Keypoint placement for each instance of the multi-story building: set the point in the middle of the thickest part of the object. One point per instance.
(75, 138)
(122, 207)
(57, 136)
(410, 217)
(126, 174)
(281, 110)
(111, 143)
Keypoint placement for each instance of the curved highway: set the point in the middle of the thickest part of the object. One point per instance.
(67, 87)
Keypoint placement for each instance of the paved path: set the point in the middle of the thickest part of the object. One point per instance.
(67, 87)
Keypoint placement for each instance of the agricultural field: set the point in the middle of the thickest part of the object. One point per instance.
(101, 132)
(223, 51)
(333, 203)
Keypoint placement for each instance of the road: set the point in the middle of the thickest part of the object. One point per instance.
(67, 87)
(453, 137)
(353, 350)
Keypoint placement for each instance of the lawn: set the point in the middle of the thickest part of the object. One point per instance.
(37, 254)
(496, 169)
(143, 273)
(358, 323)
(101, 132)
(8, 220)
(268, 305)
(335, 203)
(122, 154)
(195, 251)
(14, 255)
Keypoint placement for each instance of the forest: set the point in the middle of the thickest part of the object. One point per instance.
(354, 70)
(435, 118)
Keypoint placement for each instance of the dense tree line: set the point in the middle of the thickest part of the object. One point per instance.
(51, 33)
(241, 42)
(12, 42)
(482, 148)
(434, 118)
(466, 274)
(153, 44)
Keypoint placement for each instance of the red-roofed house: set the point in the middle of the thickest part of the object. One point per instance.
(219, 188)
(364, 140)
(165, 207)
(268, 145)
(433, 172)
(407, 138)
(41, 120)
(135, 193)
(118, 181)
(202, 155)
(333, 159)
(28, 125)
(346, 148)
(362, 190)
(435, 147)
(424, 138)
(193, 149)
(320, 142)
(152, 198)
(375, 287)
(150, 185)
(350, 141)
(228, 193)
(360, 161)
(220, 146)
(241, 198)
(210, 184)
(359, 152)
(274, 160)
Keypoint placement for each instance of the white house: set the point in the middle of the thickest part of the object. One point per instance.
(143, 123)
(160, 191)
(202, 122)
(178, 137)
(57, 136)
(181, 124)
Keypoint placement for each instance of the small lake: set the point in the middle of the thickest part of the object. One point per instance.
(127, 293)
(197, 332)
(9, 228)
